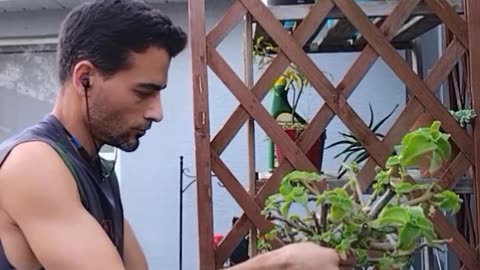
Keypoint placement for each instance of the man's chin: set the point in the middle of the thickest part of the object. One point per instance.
(130, 147)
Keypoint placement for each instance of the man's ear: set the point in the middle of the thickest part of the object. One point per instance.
(82, 77)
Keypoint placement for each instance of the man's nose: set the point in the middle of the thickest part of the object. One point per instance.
(155, 112)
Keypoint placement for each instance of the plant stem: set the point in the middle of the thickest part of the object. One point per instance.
(381, 203)
(424, 198)
(358, 191)
(317, 223)
(311, 188)
(291, 224)
(382, 246)
(422, 245)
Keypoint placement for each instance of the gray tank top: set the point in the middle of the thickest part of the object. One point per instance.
(100, 195)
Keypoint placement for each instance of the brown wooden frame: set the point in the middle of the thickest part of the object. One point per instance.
(377, 43)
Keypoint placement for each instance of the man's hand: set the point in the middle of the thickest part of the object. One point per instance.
(308, 256)
(299, 256)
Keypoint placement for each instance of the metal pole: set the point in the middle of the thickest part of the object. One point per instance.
(180, 255)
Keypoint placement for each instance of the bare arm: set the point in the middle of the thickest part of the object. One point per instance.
(299, 256)
(41, 196)
(133, 255)
(264, 261)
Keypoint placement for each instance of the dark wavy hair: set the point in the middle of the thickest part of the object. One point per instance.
(105, 32)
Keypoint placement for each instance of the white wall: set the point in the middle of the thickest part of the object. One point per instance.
(150, 178)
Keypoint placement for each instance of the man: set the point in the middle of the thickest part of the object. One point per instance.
(60, 206)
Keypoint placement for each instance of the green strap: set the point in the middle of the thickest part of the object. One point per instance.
(108, 166)
(72, 169)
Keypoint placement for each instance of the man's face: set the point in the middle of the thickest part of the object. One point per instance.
(124, 106)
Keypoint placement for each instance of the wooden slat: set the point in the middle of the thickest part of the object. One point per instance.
(317, 79)
(464, 266)
(232, 238)
(473, 18)
(452, 20)
(443, 227)
(458, 167)
(371, 8)
(405, 73)
(240, 229)
(241, 196)
(249, 78)
(459, 245)
(253, 106)
(409, 114)
(225, 25)
(278, 65)
(196, 11)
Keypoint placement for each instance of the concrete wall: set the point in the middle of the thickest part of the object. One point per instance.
(150, 176)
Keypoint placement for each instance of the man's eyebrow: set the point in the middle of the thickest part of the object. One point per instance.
(151, 86)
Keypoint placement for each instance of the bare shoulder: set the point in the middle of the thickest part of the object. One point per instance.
(39, 193)
(35, 173)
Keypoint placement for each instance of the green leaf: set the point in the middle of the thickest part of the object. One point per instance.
(449, 201)
(344, 246)
(419, 220)
(385, 263)
(436, 162)
(403, 187)
(285, 188)
(371, 115)
(390, 263)
(300, 196)
(382, 177)
(392, 161)
(298, 176)
(443, 146)
(341, 142)
(393, 215)
(408, 236)
(346, 135)
(336, 213)
(362, 255)
(351, 148)
(415, 148)
(435, 126)
(286, 206)
(379, 124)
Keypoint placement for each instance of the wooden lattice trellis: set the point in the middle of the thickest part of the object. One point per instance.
(378, 44)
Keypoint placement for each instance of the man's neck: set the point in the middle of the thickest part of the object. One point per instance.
(75, 124)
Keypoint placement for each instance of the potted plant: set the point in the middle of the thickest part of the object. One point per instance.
(384, 229)
(287, 90)
(353, 147)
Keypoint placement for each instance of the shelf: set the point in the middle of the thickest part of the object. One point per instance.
(339, 35)
(371, 8)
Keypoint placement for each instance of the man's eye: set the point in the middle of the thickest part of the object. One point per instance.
(143, 93)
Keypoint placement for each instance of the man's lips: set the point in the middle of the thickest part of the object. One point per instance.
(141, 131)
